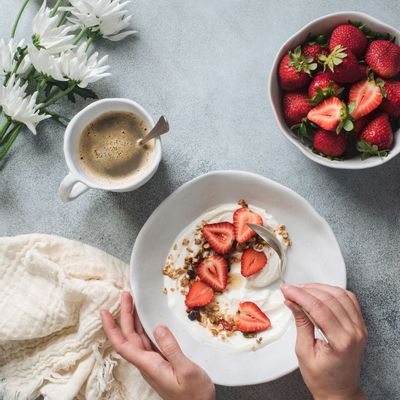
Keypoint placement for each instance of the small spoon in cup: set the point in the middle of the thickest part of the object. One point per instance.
(159, 129)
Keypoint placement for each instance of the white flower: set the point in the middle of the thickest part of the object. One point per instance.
(45, 63)
(46, 34)
(19, 106)
(7, 61)
(78, 67)
(107, 17)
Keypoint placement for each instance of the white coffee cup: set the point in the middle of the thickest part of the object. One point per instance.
(77, 181)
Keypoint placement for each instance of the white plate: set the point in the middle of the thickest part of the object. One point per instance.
(314, 257)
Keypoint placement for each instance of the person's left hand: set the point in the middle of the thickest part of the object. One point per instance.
(171, 374)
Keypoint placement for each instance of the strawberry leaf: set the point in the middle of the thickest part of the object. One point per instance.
(370, 34)
(368, 149)
(301, 63)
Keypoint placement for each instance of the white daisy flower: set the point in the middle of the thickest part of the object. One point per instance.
(78, 67)
(106, 17)
(45, 63)
(19, 106)
(7, 61)
(46, 34)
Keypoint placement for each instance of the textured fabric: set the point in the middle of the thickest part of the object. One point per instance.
(51, 339)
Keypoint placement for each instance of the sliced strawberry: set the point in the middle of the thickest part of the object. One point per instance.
(241, 217)
(220, 236)
(199, 295)
(227, 326)
(214, 271)
(250, 318)
(366, 96)
(328, 114)
(252, 262)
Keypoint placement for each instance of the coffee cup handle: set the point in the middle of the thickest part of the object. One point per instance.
(70, 188)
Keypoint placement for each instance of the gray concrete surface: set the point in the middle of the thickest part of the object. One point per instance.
(205, 65)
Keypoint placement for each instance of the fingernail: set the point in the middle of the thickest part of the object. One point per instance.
(160, 331)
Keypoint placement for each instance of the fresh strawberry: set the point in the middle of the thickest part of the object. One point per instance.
(322, 86)
(343, 64)
(363, 71)
(220, 236)
(360, 124)
(295, 70)
(241, 217)
(331, 115)
(350, 37)
(313, 50)
(214, 271)
(364, 97)
(226, 325)
(391, 103)
(329, 143)
(250, 318)
(376, 138)
(295, 107)
(199, 295)
(252, 262)
(383, 57)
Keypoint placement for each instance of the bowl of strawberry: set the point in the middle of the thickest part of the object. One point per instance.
(335, 91)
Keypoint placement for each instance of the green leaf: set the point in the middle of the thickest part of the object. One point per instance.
(85, 93)
(348, 125)
(372, 35)
(352, 107)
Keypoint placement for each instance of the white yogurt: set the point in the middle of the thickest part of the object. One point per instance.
(256, 288)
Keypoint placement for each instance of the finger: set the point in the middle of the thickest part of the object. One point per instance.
(127, 322)
(170, 349)
(305, 330)
(343, 296)
(120, 344)
(335, 305)
(319, 311)
(140, 331)
(112, 331)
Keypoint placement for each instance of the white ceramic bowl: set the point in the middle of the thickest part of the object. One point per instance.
(314, 257)
(320, 25)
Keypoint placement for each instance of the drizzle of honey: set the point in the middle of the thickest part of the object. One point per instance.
(235, 281)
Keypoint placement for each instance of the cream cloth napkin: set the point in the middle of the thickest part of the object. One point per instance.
(51, 339)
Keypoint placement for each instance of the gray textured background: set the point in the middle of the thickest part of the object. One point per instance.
(205, 65)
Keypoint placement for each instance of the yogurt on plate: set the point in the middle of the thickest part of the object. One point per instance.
(262, 288)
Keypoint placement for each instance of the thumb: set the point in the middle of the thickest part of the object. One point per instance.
(169, 347)
(305, 330)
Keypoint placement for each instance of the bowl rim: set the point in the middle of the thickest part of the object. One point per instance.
(223, 174)
(345, 164)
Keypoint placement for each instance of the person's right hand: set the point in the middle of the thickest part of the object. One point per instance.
(331, 372)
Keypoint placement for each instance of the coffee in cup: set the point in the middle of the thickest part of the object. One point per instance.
(108, 149)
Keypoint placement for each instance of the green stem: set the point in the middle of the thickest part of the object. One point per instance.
(59, 96)
(40, 86)
(55, 8)
(89, 42)
(14, 28)
(10, 140)
(80, 36)
(63, 18)
(5, 125)
(14, 71)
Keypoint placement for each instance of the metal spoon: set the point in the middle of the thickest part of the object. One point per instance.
(276, 245)
(159, 129)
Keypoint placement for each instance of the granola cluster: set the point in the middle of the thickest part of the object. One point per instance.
(220, 322)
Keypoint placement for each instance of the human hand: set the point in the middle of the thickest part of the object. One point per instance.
(171, 373)
(331, 372)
